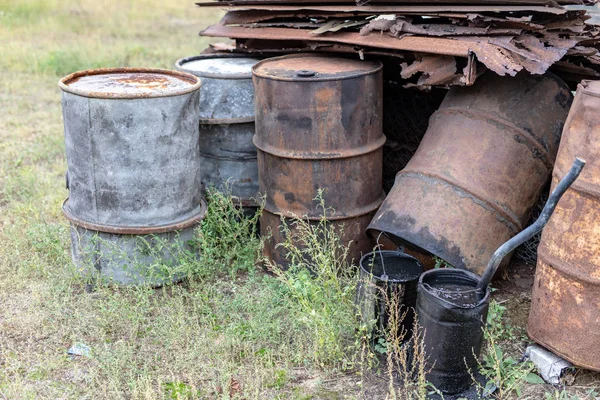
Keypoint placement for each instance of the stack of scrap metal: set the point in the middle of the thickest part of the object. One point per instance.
(438, 44)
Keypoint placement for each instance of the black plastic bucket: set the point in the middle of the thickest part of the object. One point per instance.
(452, 318)
(402, 273)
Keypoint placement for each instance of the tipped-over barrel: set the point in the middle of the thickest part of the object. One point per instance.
(479, 170)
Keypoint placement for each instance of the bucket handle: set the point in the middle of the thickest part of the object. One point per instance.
(383, 277)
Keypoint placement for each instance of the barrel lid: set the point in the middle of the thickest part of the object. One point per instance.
(314, 67)
(590, 87)
(218, 66)
(129, 83)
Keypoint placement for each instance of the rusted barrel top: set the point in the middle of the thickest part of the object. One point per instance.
(318, 107)
(227, 95)
(313, 68)
(565, 308)
(129, 83)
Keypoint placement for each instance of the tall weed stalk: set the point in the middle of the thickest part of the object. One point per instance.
(320, 284)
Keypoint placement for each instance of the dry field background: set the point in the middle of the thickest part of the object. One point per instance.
(231, 331)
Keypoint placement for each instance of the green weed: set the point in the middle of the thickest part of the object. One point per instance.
(227, 239)
(505, 375)
(321, 285)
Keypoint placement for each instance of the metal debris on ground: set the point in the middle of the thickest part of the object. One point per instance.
(549, 365)
(442, 44)
(79, 349)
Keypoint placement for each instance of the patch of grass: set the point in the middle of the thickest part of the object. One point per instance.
(321, 285)
(505, 375)
(228, 238)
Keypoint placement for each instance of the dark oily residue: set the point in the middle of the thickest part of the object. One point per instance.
(460, 295)
(397, 268)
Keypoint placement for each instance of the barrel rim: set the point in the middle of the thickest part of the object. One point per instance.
(227, 121)
(194, 81)
(390, 252)
(315, 79)
(457, 272)
(136, 230)
(179, 65)
(308, 155)
(360, 212)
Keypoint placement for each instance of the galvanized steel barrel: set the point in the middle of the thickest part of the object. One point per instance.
(565, 304)
(131, 138)
(318, 127)
(479, 170)
(227, 154)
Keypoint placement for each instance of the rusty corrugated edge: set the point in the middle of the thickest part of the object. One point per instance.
(402, 9)
(432, 45)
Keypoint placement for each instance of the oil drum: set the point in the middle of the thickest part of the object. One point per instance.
(479, 169)
(227, 154)
(318, 129)
(131, 138)
(565, 304)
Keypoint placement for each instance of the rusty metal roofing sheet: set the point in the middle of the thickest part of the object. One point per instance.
(402, 9)
(363, 3)
(409, 43)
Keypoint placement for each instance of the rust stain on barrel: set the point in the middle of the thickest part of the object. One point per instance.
(318, 127)
(565, 304)
(479, 170)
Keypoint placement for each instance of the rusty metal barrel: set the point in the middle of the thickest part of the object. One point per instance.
(318, 127)
(227, 154)
(479, 170)
(565, 304)
(131, 138)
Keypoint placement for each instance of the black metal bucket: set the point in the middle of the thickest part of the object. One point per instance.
(396, 277)
(452, 317)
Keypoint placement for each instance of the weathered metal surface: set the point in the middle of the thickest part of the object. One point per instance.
(504, 38)
(504, 50)
(227, 154)
(227, 96)
(130, 230)
(479, 170)
(497, 5)
(152, 259)
(318, 126)
(132, 148)
(407, 43)
(351, 231)
(565, 308)
(228, 160)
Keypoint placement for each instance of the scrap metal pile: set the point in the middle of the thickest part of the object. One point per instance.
(441, 44)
